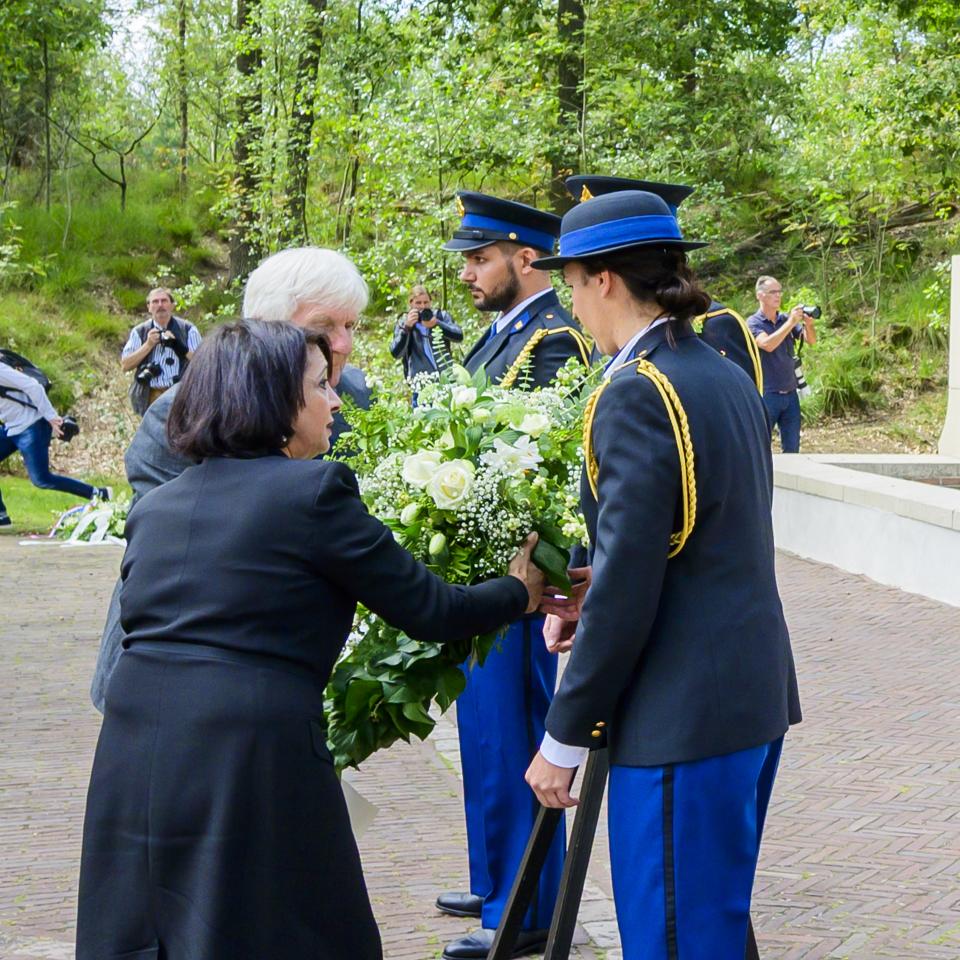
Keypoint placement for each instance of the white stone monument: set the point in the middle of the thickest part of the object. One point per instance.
(950, 438)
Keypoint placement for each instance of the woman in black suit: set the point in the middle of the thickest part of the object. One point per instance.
(215, 826)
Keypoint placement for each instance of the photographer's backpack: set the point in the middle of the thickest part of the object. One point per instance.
(25, 367)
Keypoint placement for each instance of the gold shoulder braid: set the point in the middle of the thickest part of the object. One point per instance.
(510, 377)
(752, 349)
(681, 431)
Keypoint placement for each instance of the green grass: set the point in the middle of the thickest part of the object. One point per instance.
(35, 511)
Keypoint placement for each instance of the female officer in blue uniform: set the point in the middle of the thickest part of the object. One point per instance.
(681, 663)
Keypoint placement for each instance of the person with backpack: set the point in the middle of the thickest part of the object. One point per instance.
(158, 350)
(28, 421)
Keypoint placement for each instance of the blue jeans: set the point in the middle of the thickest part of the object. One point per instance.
(783, 409)
(34, 447)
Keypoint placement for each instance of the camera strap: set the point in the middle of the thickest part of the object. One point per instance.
(8, 393)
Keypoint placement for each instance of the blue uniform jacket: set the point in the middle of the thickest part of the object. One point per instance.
(499, 353)
(686, 658)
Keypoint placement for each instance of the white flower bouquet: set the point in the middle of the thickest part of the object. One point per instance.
(460, 480)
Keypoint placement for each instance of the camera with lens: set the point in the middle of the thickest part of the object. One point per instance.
(813, 312)
(69, 428)
(147, 373)
(426, 315)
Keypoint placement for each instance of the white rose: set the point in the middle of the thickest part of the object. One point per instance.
(419, 467)
(481, 415)
(534, 424)
(451, 484)
(463, 397)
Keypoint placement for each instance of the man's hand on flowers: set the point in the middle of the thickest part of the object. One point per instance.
(566, 607)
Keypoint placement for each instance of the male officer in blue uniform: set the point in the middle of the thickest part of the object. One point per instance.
(721, 327)
(500, 715)
(681, 664)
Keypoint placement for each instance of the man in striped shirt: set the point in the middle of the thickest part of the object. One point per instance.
(163, 345)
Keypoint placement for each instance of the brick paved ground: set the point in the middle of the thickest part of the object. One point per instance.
(862, 851)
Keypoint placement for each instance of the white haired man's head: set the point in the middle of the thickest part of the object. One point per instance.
(315, 288)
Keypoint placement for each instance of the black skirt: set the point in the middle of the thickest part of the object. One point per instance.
(215, 826)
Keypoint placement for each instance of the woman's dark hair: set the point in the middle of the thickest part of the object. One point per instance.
(657, 274)
(242, 391)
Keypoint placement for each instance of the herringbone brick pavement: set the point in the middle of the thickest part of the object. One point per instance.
(52, 602)
(861, 857)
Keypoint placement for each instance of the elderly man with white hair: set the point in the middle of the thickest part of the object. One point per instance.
(313, 287)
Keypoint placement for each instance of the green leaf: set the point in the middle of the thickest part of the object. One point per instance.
(553, 561)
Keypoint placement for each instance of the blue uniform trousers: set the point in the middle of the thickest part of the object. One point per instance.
(500, 720)
(684, 842)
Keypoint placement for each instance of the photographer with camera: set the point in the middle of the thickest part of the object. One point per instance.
(775, 333)
(159, 350)
(414, 343)
(28, 421)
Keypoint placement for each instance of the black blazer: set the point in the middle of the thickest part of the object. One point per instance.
(272, 555)
(408, 346)
(727, 332)
(681, 659)
(497, 354)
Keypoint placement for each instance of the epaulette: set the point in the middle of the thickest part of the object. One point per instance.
(510, 377)
(749, 340)
(681, 431)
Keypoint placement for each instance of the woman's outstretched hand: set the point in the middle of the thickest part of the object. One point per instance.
(523, 568)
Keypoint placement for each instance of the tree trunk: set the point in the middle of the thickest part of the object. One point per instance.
(184, 100)
(301, 124)
(570, 77)
(46, 121)
(244, 241)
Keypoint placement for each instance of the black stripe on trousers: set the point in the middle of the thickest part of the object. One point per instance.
(669, 873)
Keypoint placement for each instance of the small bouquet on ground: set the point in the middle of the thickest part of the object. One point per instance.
(460, 479)
(95, 522)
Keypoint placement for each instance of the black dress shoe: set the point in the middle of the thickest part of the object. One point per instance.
(460, 904)
(476, 946)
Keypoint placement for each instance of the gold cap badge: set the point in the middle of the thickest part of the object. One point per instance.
(461, 211)
(585, 195)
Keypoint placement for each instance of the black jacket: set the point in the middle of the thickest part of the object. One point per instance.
(560, 340)
(727, 332)
(686, 658)
(409, 348)
(272, 555)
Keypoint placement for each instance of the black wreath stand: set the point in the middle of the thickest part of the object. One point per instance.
(575, 866)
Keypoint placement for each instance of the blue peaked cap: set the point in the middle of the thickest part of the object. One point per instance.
(616, 221)
(486, 220)
(587, 186)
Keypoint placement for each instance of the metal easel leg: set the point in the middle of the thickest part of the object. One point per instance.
(575, 866)
(525, 882)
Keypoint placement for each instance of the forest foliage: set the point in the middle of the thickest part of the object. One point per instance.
(821, 135)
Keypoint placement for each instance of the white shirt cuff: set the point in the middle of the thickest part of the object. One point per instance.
(562, 754)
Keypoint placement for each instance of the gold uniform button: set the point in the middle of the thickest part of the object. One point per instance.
(549, 316)
(599, 723)
(596, 733)
(512, 236)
